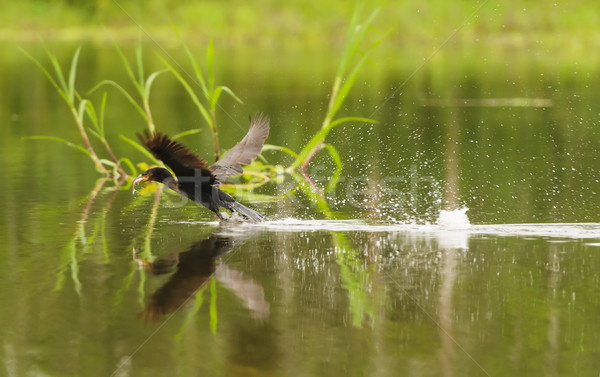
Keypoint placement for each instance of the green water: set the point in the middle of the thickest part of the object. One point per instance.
(98, 281)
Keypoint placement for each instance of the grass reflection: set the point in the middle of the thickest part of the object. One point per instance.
(69, 259)
(354, 271)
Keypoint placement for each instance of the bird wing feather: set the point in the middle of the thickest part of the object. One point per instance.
(244, 152)
(178, 157)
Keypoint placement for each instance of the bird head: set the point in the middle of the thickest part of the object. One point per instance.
(157, 174)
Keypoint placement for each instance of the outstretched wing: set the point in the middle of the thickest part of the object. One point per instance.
(243, 152)
(178, 157)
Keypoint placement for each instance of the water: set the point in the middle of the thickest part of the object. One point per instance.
(459, 241)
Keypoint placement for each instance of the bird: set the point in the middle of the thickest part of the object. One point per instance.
(194, 178)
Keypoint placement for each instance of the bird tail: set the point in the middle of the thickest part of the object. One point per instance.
(246, 212)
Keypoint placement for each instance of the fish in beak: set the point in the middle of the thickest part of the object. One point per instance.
(140, 179)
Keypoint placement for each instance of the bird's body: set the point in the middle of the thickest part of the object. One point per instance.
(195, 179)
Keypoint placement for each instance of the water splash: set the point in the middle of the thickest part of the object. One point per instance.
(454, 220)
(452, 227)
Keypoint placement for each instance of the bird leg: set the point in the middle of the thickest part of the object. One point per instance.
(216, 211)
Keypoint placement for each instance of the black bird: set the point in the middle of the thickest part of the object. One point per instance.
(194, 178)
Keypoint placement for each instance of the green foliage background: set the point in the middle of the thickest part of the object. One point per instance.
(423, 25)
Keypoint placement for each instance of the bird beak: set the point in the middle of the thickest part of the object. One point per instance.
(140, 179)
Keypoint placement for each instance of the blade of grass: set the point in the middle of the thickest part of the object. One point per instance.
(345, 89)
(60, 76)
(341, 87)
(339, 121)
(102, 109)
(73, 74)
(138, 84)
(140, 64)
(338, 171)
(81, 110)
(150, 81)
(141, 149)
(196, 67)
(46, 73)
(129, 164)
(66, 142)
(125, 93)
(186, 133)
(109, 163)
(190, 91)
(270, 147)
(217, 94)
(91, 112)
(210, 55)
(68, 92)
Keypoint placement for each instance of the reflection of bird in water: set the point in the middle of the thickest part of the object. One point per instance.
(195, 179)
(195, 267)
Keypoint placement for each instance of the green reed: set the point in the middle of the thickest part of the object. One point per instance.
(206, 94)
(345, 79)
(77, 106)
(206, 82)
(80, 107)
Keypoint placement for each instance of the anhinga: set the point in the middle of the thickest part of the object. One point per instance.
(194, 178)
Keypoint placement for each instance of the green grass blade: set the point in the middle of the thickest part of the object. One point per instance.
(60, 76)
(210, 55)
(140, 64)
(109, 163)
(186, 133)
(68, 143)
(214, 98)
(125, 63)
(190, 91)
(141, 149)
(124, 93)
(338, 171)
(322, 134)
(150, 81)
(339, 121)
(197, 70)
(86, 106)
(312, 144)
(102, 108)
(314, 196)
(91, 112)
(130, 165)
(231, 93)
(72, 75)
(47, 74)
(345, 88)
(95, 133)
(356, 34)
(129, 70)
(270, 147)
(348, 46)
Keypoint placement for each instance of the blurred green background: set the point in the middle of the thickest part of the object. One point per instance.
(424, 25)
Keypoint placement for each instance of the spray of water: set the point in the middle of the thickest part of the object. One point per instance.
(454, 220)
